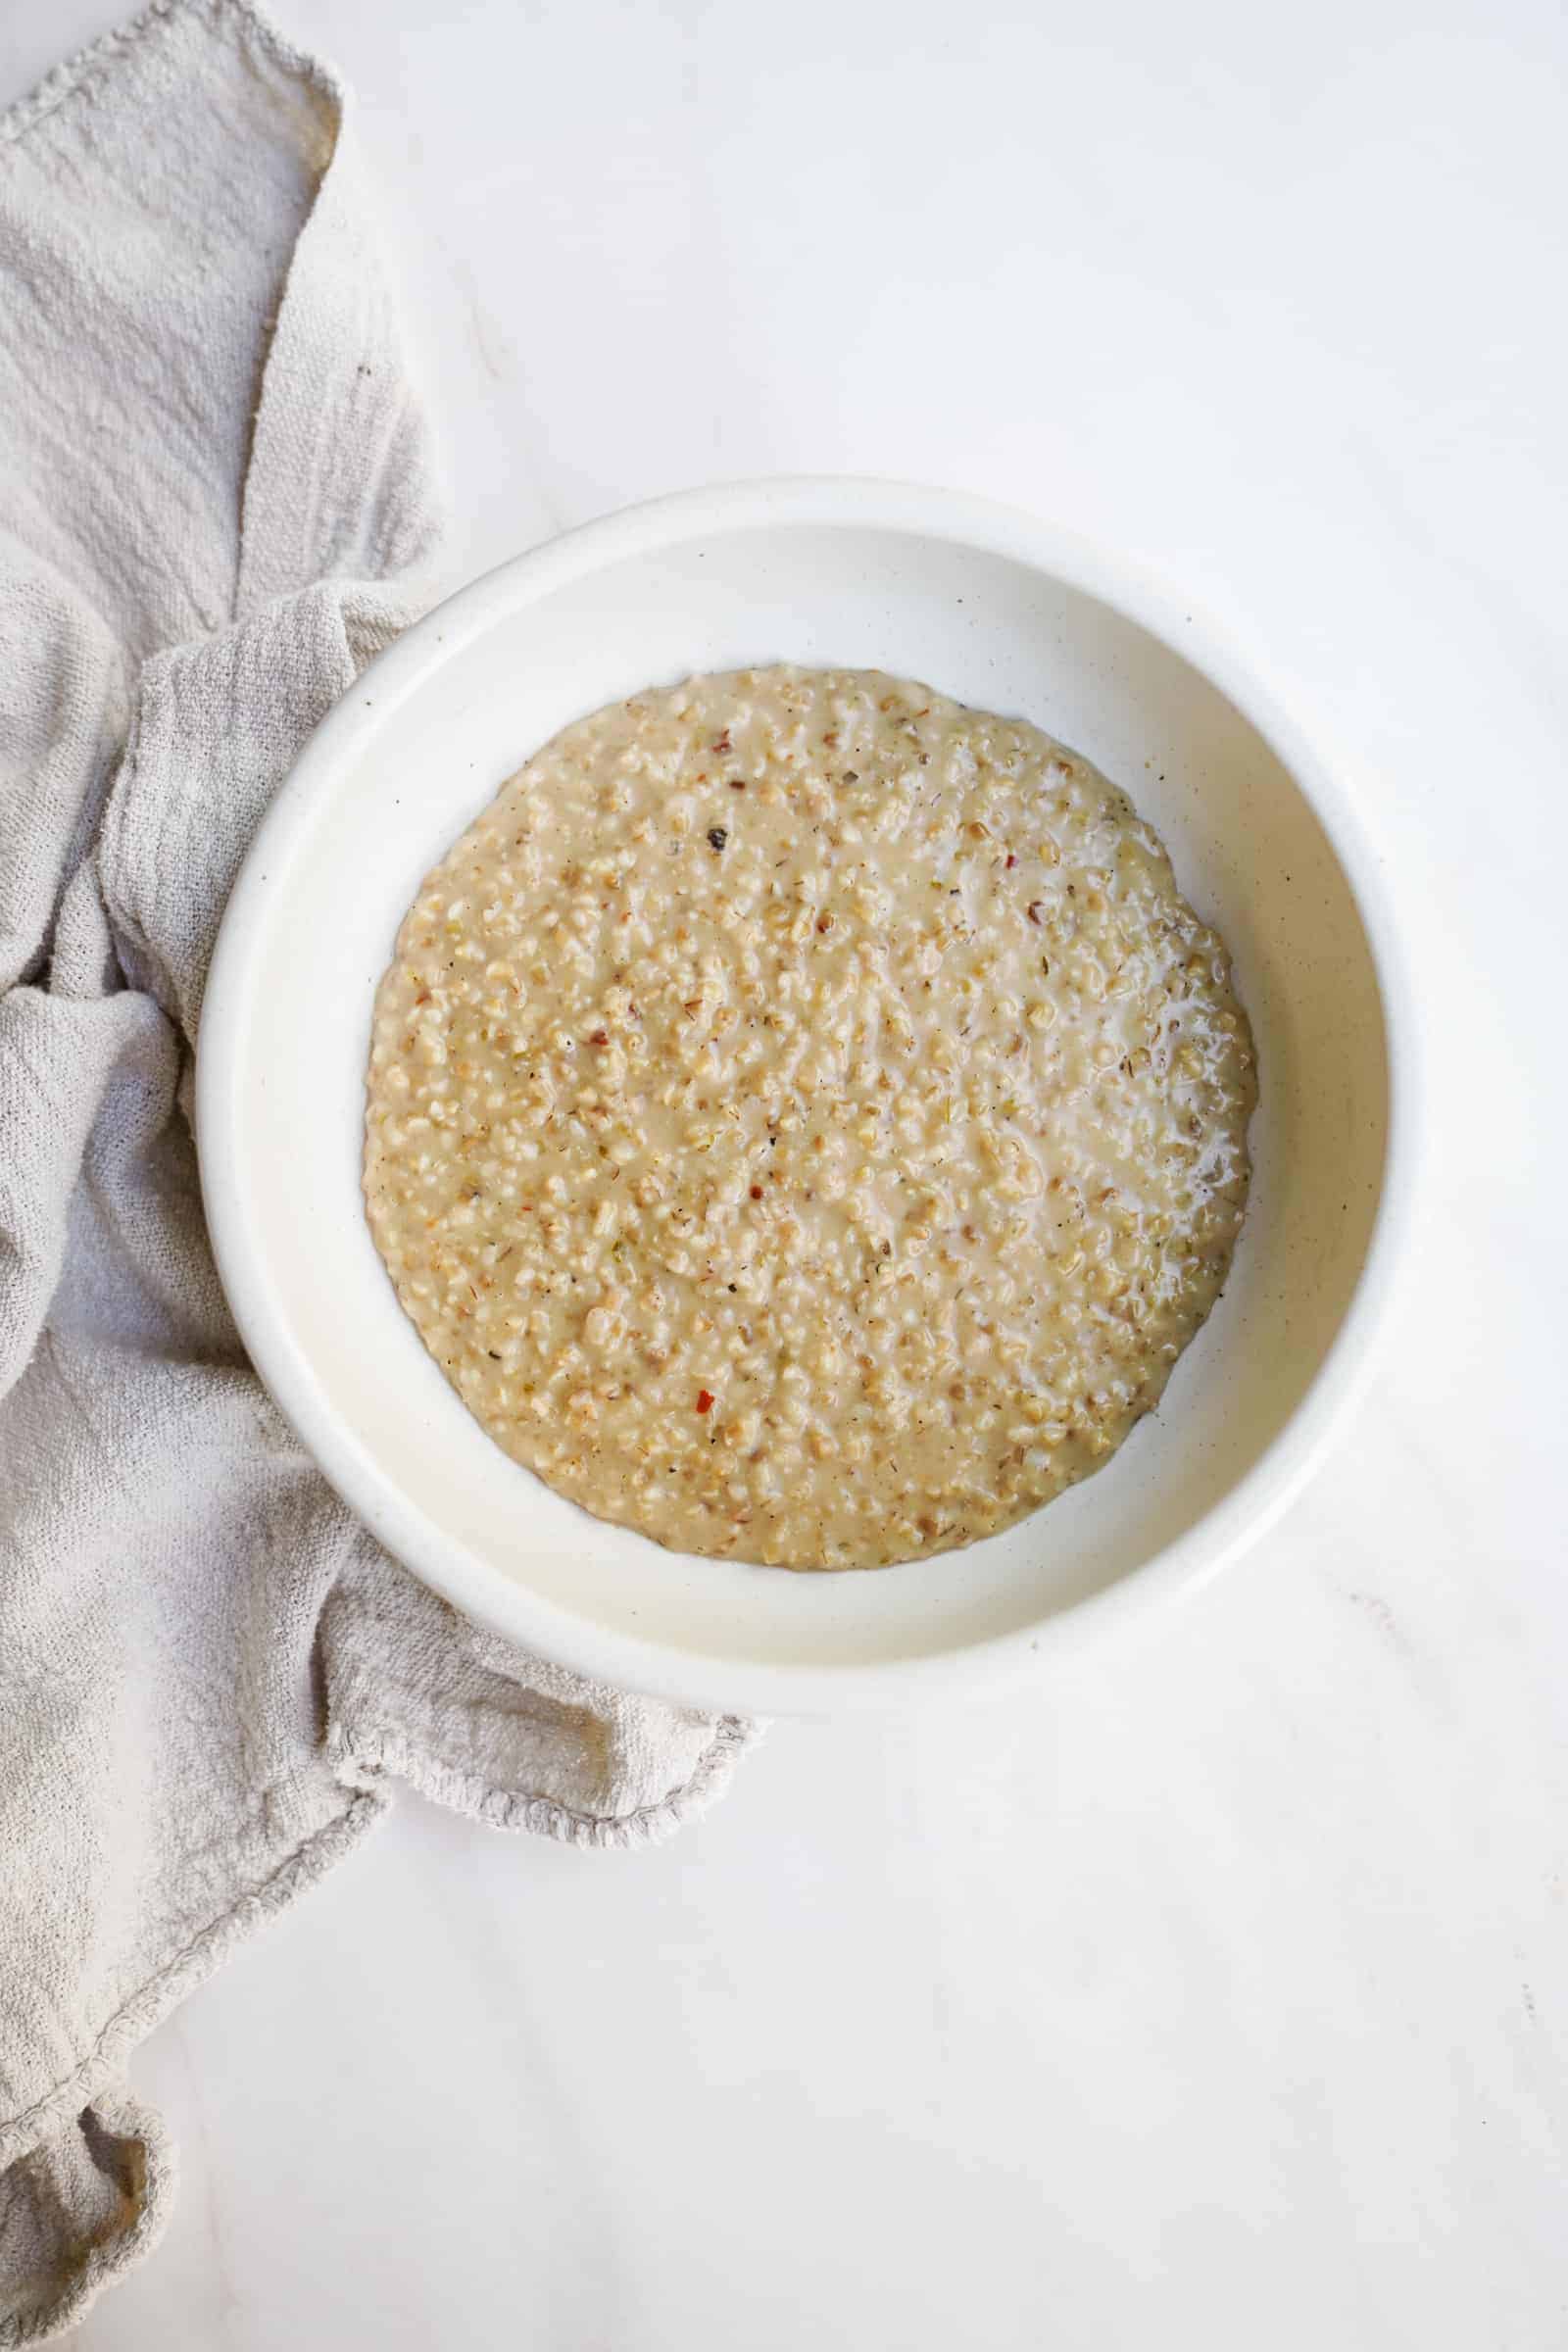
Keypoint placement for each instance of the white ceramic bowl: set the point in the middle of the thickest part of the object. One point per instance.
(998, 611)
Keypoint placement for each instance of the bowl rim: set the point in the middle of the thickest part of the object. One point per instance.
(510, 1607)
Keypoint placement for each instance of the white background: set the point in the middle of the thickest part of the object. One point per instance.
(1216, 1997)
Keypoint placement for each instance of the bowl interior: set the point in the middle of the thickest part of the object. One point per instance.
(401, 768)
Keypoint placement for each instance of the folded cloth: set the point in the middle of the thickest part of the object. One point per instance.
(215, 506)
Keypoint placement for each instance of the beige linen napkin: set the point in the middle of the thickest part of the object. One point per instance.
(215, 494)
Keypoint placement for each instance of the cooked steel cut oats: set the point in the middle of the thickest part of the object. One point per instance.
(806, 1123)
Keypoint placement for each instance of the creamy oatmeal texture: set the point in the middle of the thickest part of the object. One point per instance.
(806, 1124)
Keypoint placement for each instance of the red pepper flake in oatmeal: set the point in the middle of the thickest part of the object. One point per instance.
(705, 1401)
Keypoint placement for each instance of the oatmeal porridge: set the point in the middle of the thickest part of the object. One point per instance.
(806, 1123)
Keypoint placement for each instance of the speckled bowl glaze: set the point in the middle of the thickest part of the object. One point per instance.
(999, 611)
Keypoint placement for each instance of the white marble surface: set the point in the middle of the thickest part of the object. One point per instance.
(1216, 1997)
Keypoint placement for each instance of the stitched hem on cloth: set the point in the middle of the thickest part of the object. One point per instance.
(363, 1758)
(189, 1967)
(363, 1763)
(107, 2259)
(72, 77)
